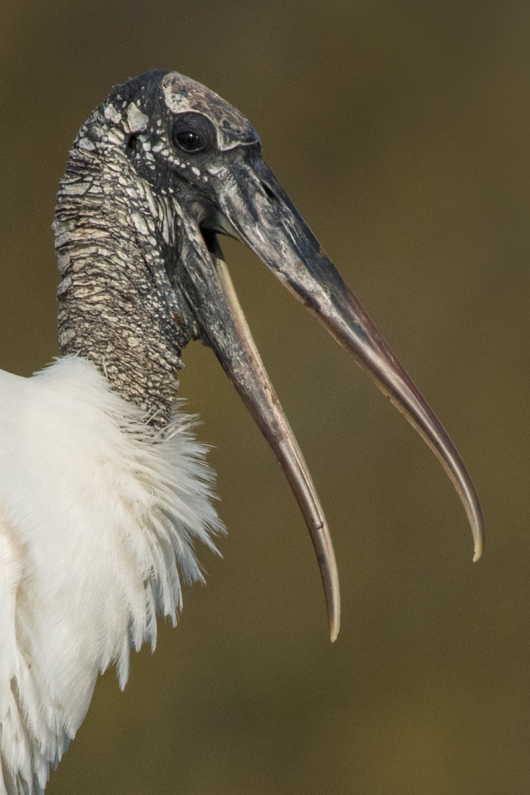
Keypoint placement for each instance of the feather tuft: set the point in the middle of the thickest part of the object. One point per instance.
(98, 523)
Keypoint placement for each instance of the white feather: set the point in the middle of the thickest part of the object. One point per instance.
(97, 528)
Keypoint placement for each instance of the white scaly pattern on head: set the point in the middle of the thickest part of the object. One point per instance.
(97, 524)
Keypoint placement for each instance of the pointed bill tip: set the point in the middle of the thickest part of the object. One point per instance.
(467, 492)
(334, 631)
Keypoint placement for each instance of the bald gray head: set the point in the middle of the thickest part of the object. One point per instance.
(157, 172)
(143, 177)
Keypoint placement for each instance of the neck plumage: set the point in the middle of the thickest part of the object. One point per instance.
(115, 306)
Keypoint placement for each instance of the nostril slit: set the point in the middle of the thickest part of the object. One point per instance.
(268, 191)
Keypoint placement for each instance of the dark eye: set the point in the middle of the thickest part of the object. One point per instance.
(192, 132)
(189, 140)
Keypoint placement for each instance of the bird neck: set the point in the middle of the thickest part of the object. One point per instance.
(113, 297)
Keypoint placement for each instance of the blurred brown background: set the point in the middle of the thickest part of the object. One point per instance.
(401, 131)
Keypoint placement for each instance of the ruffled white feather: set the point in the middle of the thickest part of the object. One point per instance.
(97, 529)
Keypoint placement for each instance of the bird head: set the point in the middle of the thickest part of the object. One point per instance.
(199, 173)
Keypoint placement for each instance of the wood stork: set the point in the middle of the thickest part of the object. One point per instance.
(103, 489)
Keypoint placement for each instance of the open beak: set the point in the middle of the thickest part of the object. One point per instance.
(260, 213)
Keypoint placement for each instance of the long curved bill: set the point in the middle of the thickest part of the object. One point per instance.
(254, 208)
(208, 286)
